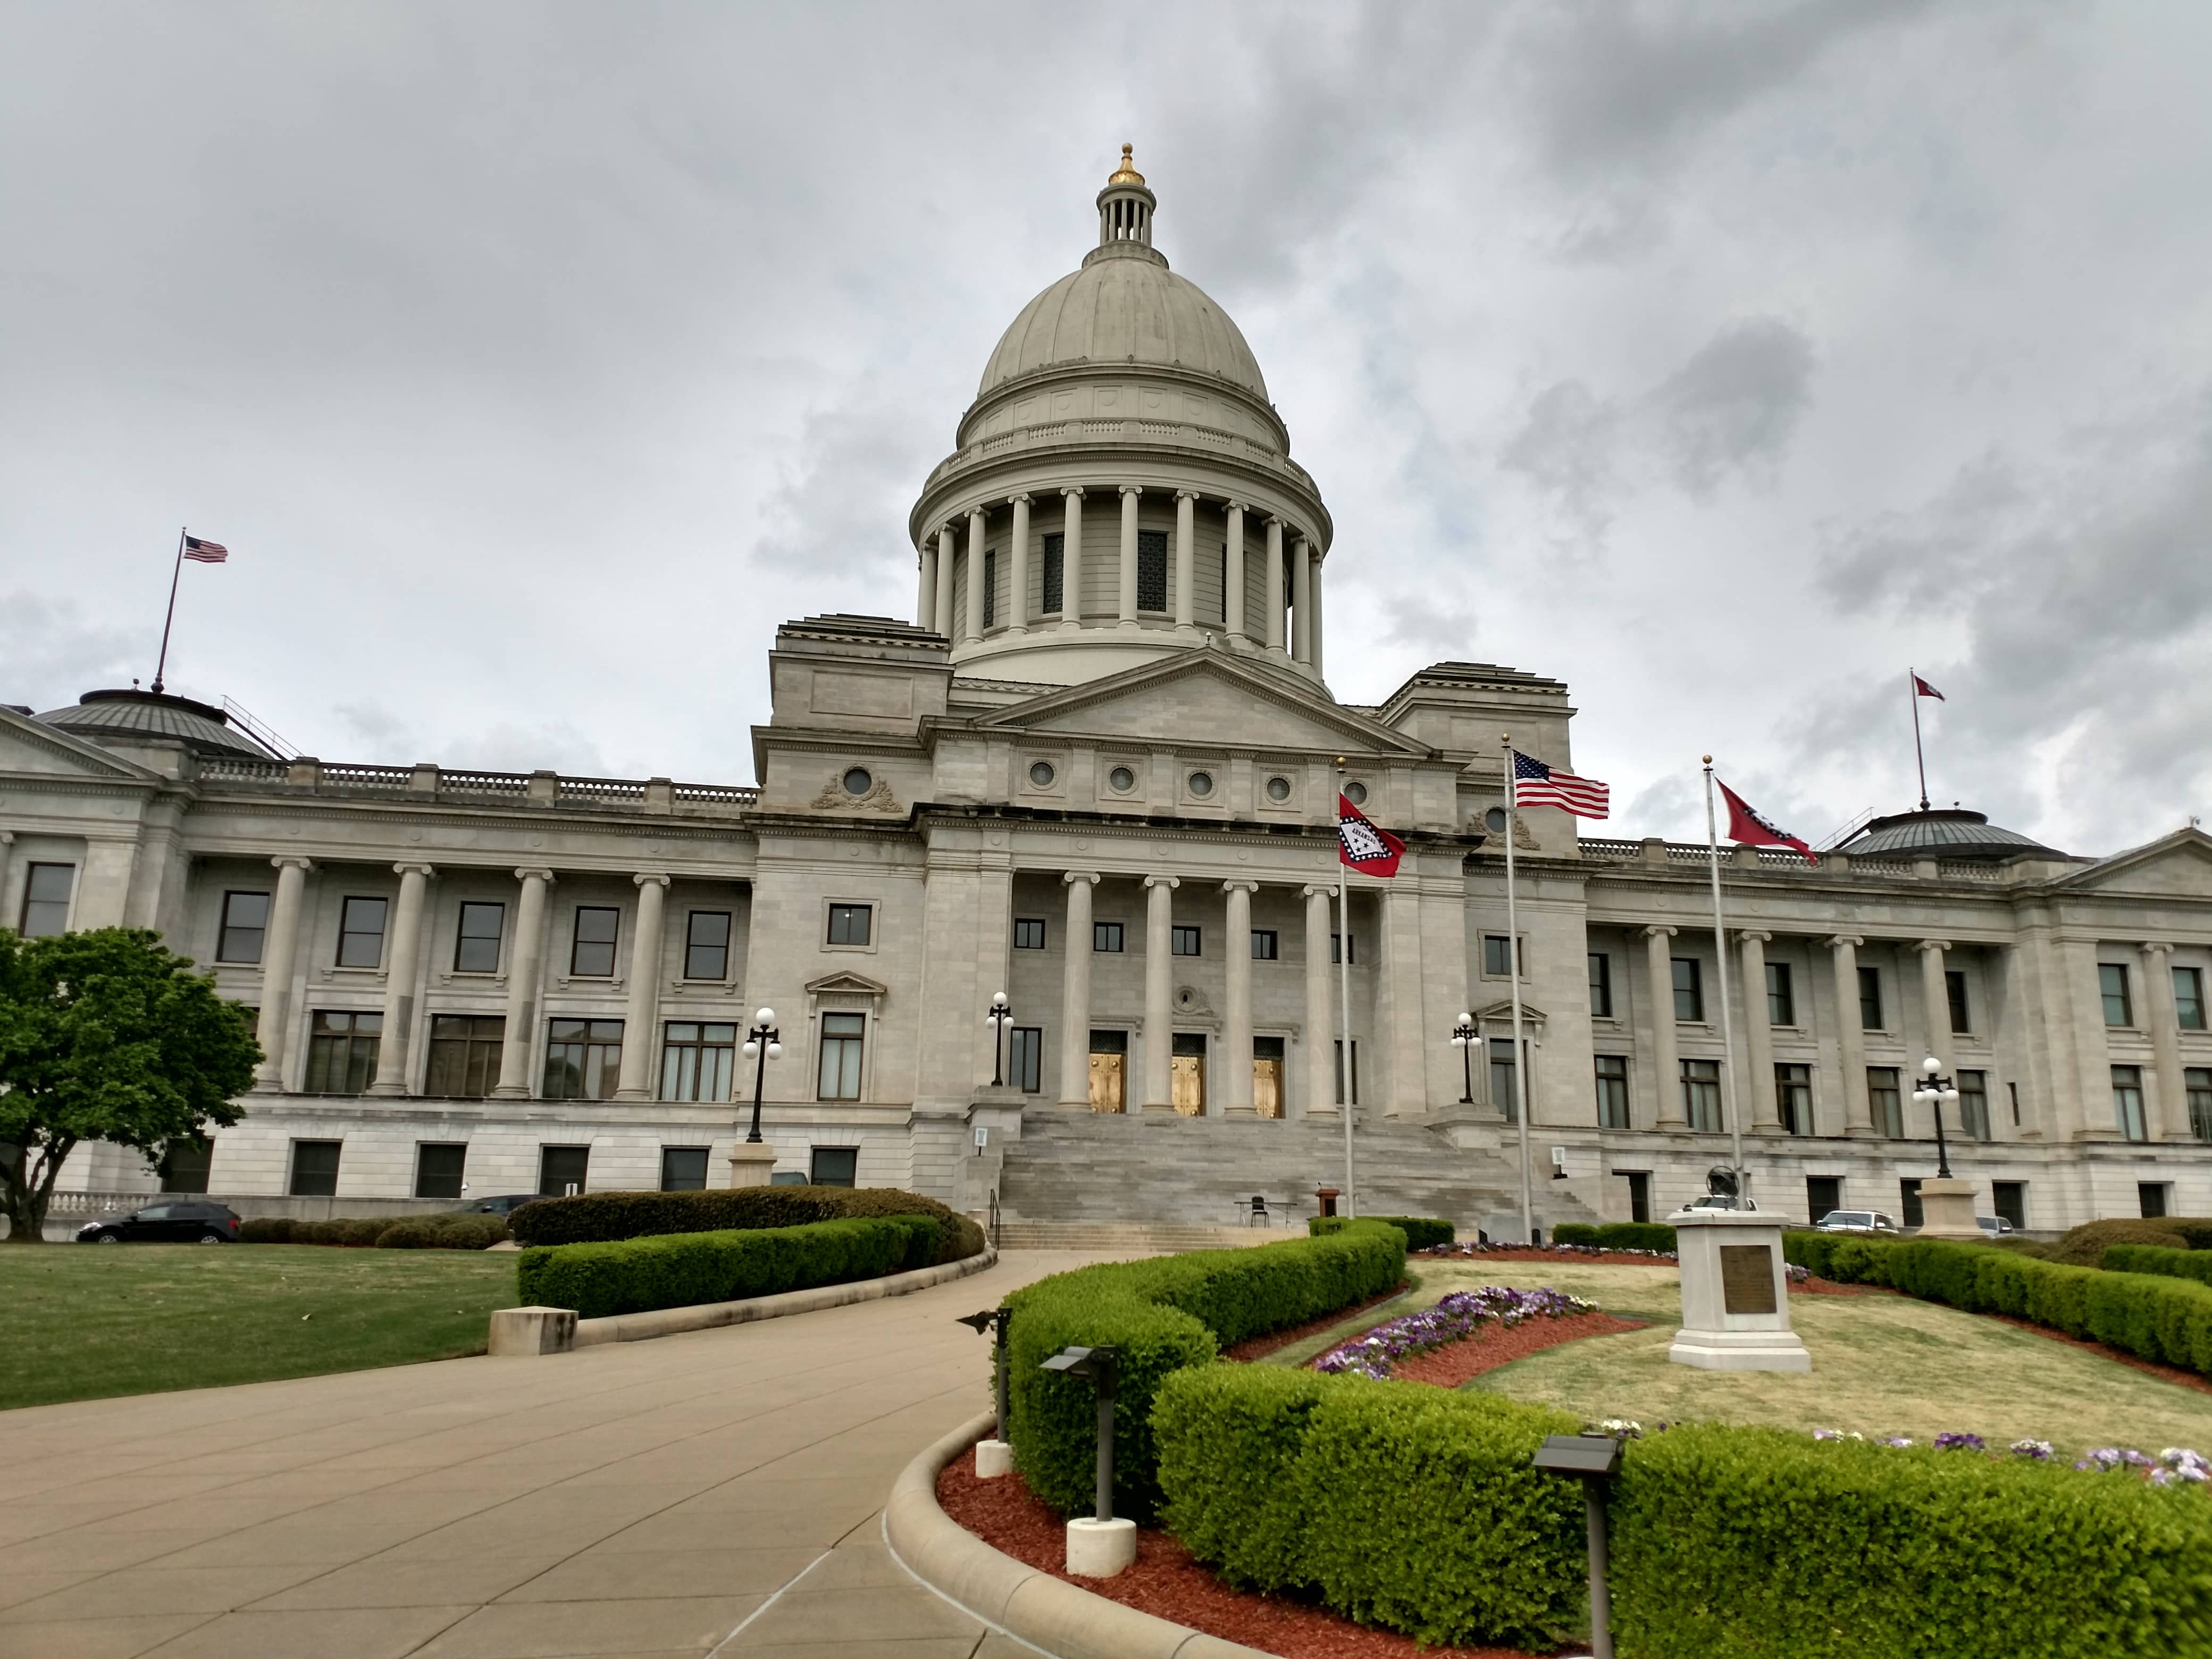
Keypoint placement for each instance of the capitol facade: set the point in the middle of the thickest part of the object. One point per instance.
(1096, 772)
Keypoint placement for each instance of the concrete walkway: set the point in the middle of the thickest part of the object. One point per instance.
(716, 1493)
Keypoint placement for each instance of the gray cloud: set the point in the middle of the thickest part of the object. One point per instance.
(50, 652)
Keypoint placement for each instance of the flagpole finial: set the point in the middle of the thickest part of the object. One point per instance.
(1341, 763)
(1708, 760)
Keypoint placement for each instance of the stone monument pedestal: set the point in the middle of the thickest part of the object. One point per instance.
(751, 1161)
(1947, 1210)
(1735, 1296)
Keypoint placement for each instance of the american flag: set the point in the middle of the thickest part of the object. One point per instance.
(1535, 784)
(205, 552)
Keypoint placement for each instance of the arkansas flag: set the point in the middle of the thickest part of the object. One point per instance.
(1360, 846)
(1747, 829)
(1922, 688)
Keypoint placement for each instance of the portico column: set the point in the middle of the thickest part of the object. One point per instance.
(924, 601)
(1274, 634)
(1159, 990)
(1301, 600)
(1666, 1063)
(639, 1022)
(1018, 587)
(1130, 493)
(1071, 609)
(1237, 1029)
(401, 986)
(978, 521)
(942, 616)
(276, 1022)
(1850, 1035)
(7, 846)
(1075, 992)
(1186, 569)
(1319, 1094)
(523, 964)
(1757, 1031)
(1935, 1002)
(1233, 584)
(1313, 637)
(2165, 1114)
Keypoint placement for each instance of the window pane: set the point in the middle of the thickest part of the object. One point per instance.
(1029, 933)
(361, 931)
(1612, 1091)
(1955, 990)
(1701, 1094)
(1026, 1059)
(834, 1166)
(1885, 1101)
(592, 955)
(1055, 543)
(990, 585)
(46, 890)
(477, 950)
(1151, 570)
(561, 1169)
(1781, 995)
(1106, 936)
(245, 926)
(1600, 985)
(2127, 1101)
(1689, 990)
(1502, 1083)
(2112, 982)
(1870, 999)
(1793, 1097)
(185, 1166)
(707, 945)
(2189, 998)
(682, 1168)
(2198, 1084)
(438, 1169)
(1974, 1105)
(1183, 942)
(849, 924)
(1493, 955)
(314, 1169)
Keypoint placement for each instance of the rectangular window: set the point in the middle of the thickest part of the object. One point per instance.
(46, 889)
(683, 1169)
(1494, 957)
(1340, 952)
(1639, 1194)
(1908, 1194)
(583, 1059)
(1355, 1070)
(361, 931)
(1266, 947)
(1028, 932)
(475, 949)
(1974, 1105)
(340, 1052)
(1781, 995)
(591, 952)
(185, 1166)
(2150, 1199)
(2196, 1084)
(707, 945)
(1151, 570)
(1701, 1095)
(990, 585)
(1106, 936)
(245, 926)
(1955, 991)
(696, 1060)
(834, 1166)
(1183, 942)
(1025, 1060)
(1503, 1092)
(562, 1171)
(2113, 982)
(1612, 1091)
(1600, 985)
(2009, 1199)
(841, 1035)
(438, 1168)
(1689, 990)
(464, 1056)
(851, 924)
(2189, 998)
(2128, 1101)
(1793, 1097)
(1055, 542)
(1822, 1194)
(1870, 999)
(314, 1169)
(1884, 1103)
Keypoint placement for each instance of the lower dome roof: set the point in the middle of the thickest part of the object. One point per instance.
(107, 716)
(1943, 833)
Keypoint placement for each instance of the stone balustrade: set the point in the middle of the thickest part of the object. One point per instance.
(478, 787)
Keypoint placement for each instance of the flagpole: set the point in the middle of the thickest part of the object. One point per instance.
(1347, 1067)
(1912, 693)
(1731, 1096)
(1513, 979)
(176, 571)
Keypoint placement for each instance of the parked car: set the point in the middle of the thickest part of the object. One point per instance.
(174, 1221)
(505, 1204)
(1857, 1221)
(1995, 1226)
(1720, 1201)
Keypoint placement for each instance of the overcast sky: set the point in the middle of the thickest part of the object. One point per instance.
(1719, 360)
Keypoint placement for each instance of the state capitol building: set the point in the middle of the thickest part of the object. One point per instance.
(1096, 772)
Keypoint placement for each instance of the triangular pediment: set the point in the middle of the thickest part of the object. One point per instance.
(29, 747)
(2178, 866)
(1204, 695)
(1502, 1009)
(845, 982)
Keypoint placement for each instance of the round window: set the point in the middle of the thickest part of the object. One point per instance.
(857, 782)
(1278, 788)
(1201, 784)
(1356, 794)
(1494, 820)
(1122, 778)
(1042, 775)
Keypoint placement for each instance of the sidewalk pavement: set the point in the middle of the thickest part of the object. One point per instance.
(712, 1493)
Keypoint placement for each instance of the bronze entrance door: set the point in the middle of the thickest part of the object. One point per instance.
(1267, 1076)
(1109, 1066)
(1187, 1074)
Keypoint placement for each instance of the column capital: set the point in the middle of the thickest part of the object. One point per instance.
(292, 860)
(414, 869)
(981, 510)
(1162, 881)
(1068, 876)
(1937, 945)
(538, 871)
(1235, 886)
(1189, 496)
(1232, 505)
(1327, 889)
(1835, 941)
(947, 531)
(1659, 930)
(1747, 934)
(1133, 490)
(1075, 491)
(1304, 541)
(2158, 948)
(1021, 499)
(1274, 523)
(6, 837)
(653, 877)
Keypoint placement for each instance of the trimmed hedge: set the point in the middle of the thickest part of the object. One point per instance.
(606, 1218)
(1163, 1315)
(2150, 1259)
(1617, 1235)
(682, 1270)
(1738, 1543)
(2085, 1246)
(413, 1232)
(1422, 1232)
(1414, 1508)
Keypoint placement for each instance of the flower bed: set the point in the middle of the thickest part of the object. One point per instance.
(1462, 1314)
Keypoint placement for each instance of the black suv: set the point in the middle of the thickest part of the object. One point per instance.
(174, 1221)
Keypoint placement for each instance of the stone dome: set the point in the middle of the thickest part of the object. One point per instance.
(1121, 309)
(1944, 833)
(124, 716)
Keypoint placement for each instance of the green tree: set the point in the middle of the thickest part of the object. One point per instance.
(107, 1036)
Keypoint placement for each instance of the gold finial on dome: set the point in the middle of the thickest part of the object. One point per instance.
(1126, 172)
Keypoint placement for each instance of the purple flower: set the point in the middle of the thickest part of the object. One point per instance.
(1458, 1314)
(2040, 1451)
(1958, 1442)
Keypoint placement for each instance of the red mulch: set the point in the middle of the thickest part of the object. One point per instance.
(1167, 1584)
(1495, 1345)
(1829, 1287)
(2147, 1367)
(1576, 1258)
(1259, 1347)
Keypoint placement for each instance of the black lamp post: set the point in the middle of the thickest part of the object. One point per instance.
(1938, 1091)
(1463, 1039)
(761, 1046)
(997, 1019)
(995, 1320)
(1099, 1364)
(1594, 1460)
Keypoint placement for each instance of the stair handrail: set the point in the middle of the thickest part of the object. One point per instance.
(994, 1218)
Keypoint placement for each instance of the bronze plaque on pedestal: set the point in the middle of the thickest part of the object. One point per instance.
(1746, 1279)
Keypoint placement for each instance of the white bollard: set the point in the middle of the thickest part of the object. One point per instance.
(527, 1332)
(993, 1458)
(1100, 1549)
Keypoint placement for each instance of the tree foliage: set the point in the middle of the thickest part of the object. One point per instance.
(107, 1036)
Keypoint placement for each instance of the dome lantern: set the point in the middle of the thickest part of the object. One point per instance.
(1125, 213)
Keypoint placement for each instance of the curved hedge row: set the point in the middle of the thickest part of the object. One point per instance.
(1422, 1232)
(2166, 1263)
(1163, 1316)
(461, 1231)
(606, 1218)
(684, 1270)
(1617, 1235)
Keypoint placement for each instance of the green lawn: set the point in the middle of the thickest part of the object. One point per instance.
(83, 1321)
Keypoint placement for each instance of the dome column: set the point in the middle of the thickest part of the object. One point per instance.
(1071, 562)
(1313, 635)
(1130, 494)
(941, 614)
(1232, 617)
(924, 601)
(1186, 564)
(979, 519)
(1274, 634)
(1302, 588)
(1018, 587)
